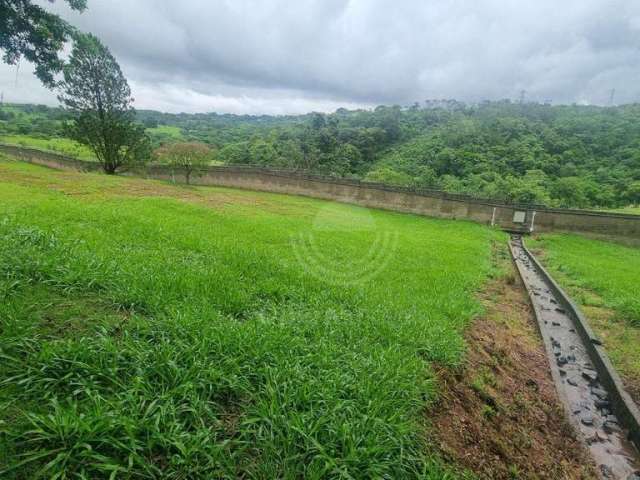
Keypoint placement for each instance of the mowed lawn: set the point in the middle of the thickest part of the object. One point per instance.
(158, 331)
(604, 278)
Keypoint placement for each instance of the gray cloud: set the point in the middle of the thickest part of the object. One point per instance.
(279, 56)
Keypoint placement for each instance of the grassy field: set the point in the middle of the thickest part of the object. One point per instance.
(603, 278)
(60, 145)
(631, 209)
(166, 133)
(150, 330)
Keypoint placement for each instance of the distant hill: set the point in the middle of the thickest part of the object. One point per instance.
(570, 156)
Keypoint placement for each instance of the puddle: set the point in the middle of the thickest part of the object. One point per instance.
(579, 388)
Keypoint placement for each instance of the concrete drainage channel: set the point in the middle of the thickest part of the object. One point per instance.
(601, 411)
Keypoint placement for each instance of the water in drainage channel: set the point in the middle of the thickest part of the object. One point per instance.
(579, 388)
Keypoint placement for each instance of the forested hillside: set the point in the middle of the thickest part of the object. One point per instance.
(568, 156)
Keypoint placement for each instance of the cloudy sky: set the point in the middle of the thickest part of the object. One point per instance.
(293, 56)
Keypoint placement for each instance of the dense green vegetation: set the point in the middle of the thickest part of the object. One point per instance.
(155, 331)
(568, 156)
(603, 277)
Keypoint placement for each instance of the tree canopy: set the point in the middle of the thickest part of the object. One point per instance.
(188, 156)
(29, 31)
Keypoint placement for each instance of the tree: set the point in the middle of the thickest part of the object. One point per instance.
(235, 153)
(570, 192)
(97, 95)
(290, 154)
(389, 121)
(426, 177)
(262, 152)
(188, 156)
(346, 159)
(29, 31)
(528, 189)
(318, 120)
(633, 193)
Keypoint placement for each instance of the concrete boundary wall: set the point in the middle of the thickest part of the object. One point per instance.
(625, 228)
(623, 405)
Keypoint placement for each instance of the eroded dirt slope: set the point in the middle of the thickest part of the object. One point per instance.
(499, 415)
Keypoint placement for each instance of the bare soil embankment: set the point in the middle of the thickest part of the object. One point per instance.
(500, 415)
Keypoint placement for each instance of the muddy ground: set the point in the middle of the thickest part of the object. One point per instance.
(499, 415)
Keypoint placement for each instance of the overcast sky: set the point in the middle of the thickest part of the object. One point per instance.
(294, 56)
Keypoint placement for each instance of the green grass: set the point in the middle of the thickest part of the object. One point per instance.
(166, 132)
(608, 269)
(603, 278)
(60, 145)
(71, 148)
(633, 210)
(155, 331)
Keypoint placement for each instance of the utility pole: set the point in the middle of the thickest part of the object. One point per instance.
(612, 94)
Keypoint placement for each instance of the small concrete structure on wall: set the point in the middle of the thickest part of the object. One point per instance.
(517, 218)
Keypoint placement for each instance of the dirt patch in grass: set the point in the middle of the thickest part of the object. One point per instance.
(499, 415)
(53, 313)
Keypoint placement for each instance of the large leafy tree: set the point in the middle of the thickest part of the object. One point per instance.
(29, 31)
(97, 95)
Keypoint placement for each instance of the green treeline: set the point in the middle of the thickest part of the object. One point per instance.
(566, 156)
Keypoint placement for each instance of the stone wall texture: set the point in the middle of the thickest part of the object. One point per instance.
(625, 228)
